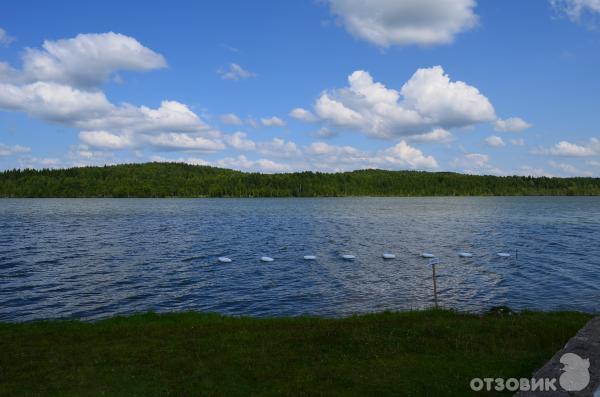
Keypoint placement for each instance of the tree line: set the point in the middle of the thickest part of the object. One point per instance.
(184, 180)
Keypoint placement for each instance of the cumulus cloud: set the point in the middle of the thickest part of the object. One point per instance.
(404, 22)
(476, 164)
(325, 133)
(511, 124)
(518, 142)
(402, 154)
(272, 122)
(568, 149)
(6, 150)
(39, 162)
(439, 135)
(185, 142)
(105, 139)
(494, 141)
(243, 163)
(428, 100)
(239, 141)
(278, 147)
(234, 72)
(575, 10)
(569, 169)
(303, 115)
(5, 39)
(326, 157)
(322, 156)
(53, 102)
(59, 83)
(87, 59)
(230, 118)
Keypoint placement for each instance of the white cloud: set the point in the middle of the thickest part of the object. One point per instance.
(511, 124)
(569, 169)
(325, 157)
(182, 141)
(272, 122)
(87, 59)
(6, 150)
(567, 149)
(5, 39)
(325, 132)
(278, 147)
(325, 149)
(231, 119)
(438, 135)
(403, 22)
(527, 170)
(476, 164)
(494, 141)
(243, 163)
(39, 162)
(428, 100)
(53, 102)
(402, 154)
(518, 142)
(303, 114)
(234, 72)
(239, 141)
(252, 122)
(575, 10)
(58, 83)
(477, 159)
(105, 139)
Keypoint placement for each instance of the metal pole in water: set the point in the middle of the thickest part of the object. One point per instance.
(432, 263)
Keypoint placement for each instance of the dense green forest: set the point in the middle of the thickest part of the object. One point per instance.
(183, 180)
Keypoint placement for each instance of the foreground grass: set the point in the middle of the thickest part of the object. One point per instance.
(430, 353)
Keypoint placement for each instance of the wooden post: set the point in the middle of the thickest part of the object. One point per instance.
(434, 286)
(432, 263)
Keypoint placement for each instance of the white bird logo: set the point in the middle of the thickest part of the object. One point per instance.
(575, 376)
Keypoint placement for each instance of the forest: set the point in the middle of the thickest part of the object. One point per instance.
(184, 180)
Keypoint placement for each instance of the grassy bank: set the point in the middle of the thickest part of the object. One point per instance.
(398, 354)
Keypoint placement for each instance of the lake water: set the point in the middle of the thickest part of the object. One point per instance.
(94, 258)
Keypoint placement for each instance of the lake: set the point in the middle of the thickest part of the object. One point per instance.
(94, 258)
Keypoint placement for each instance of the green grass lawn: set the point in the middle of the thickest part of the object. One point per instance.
(428, 353)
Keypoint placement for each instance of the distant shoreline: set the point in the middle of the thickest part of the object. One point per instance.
(170, 180)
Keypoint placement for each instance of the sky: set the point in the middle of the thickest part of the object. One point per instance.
(482, 87)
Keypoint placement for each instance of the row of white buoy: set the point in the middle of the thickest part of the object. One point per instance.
(349, 257)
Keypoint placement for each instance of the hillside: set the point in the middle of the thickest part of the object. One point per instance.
(183, 180)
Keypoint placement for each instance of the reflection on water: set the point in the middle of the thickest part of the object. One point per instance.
(96, 258)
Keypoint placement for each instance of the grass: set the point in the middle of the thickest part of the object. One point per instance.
(428, 353)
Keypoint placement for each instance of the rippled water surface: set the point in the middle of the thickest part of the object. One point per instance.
(93, 258)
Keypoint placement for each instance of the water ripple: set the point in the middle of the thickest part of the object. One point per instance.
(92, 259)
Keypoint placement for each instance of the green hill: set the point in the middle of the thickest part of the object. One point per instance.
(183, 180)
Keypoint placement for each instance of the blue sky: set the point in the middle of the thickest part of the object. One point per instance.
(485, 87)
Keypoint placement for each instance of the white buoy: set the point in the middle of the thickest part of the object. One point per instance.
(389, 256)
(348, 257)
(310, 257)
(465, 254)
(503, 254)
(427, 255)
(266, 259)
(224, 259)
